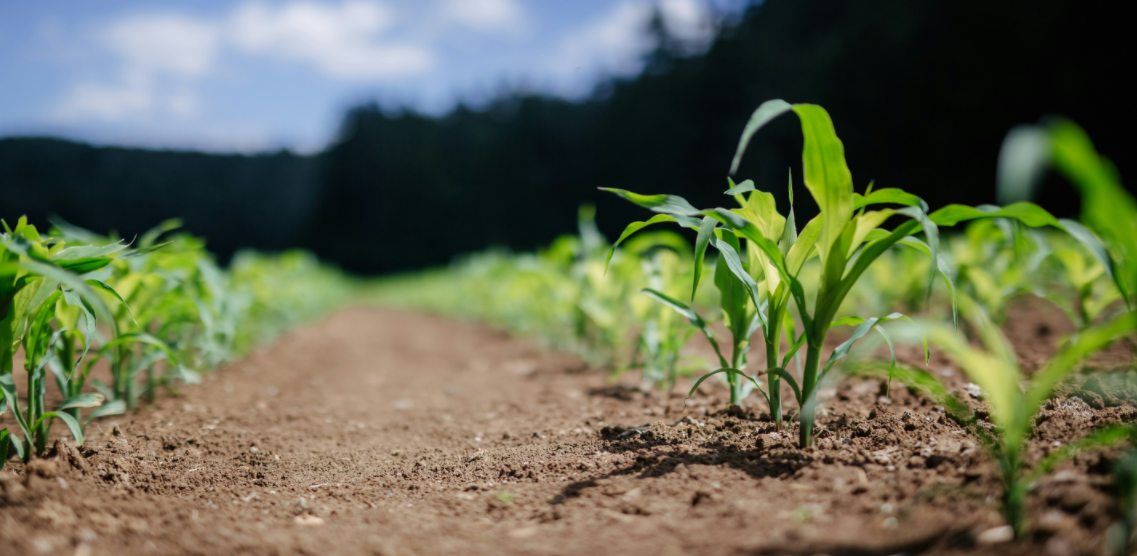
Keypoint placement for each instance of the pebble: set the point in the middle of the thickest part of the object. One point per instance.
(996, 535)
(523, 532)
(308, 519)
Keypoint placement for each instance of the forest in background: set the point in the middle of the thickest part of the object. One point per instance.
(922, 92)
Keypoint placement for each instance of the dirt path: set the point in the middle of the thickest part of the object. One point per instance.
(395, 433)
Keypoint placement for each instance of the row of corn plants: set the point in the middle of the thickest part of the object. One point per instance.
(92, 326)
(765, 291)
(577, 295)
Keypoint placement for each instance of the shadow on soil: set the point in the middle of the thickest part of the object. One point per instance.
(654, 459)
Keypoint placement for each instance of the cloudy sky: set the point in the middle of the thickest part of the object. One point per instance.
(249, 75)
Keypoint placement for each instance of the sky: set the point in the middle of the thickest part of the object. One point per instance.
(255, 75)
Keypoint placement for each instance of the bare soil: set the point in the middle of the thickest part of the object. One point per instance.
(384, 432)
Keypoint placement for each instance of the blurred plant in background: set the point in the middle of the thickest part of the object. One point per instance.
(113, 322)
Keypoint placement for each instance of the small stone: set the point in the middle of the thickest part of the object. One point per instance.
(1054, 521)
(1058, 546)
(973, 390)
(523, 532)
(308, 519)
(996, 535)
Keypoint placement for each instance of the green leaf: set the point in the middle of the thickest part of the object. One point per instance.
(18, 446)
(1098, 251)
(826, 174)
(724, 370)
(734, 295)
(632, 229)
(12, 401)
(920, 380)
(766, 112)
(71, 422)
(888, 196)
(706, 232)
(1100, 438)
(1073, 352)
(745, 187)
(781, 373)
(661, 203)
(734, 263)
(5, 446)
(864, 327)
(84, 400)
(114, 407)
(1022, 161)
(1028, 213)
(1106, 206)
(692, 316)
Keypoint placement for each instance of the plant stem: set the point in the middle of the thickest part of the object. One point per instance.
(808, 385)
(773, 381)
(736, 353)
(1014, 492)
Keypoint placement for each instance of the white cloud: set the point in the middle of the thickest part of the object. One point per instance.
(184, 103)
(152, 50)
(160, 60)
(106, 102)
(160, 57)
(163, 44)
(615, 42)
(688, 20)
(484, 15)
(612, 42)
(338, 41)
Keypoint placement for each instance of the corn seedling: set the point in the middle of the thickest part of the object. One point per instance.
(662, 334)
(1013, 400)
(159, 313)
(759, 284)
(71, 299)
(1107, 209)
(50, 309)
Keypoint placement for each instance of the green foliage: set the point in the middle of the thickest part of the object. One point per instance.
(1014, 399)
(49, 309)
(1107, 208)
(156, 313)
(762, 256)
(579, 295)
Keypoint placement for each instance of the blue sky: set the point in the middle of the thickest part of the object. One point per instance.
(251, 75)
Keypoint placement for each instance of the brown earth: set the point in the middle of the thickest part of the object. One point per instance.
(384, 432)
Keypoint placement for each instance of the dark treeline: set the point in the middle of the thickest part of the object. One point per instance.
(921, 92)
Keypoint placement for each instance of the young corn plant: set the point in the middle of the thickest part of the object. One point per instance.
(1108, 211)
(1111, 213)
(48, 307)
(996, 261)
(1013, 399)
(1076, 281)
(762, 254)
(154, 312)
(662, 335)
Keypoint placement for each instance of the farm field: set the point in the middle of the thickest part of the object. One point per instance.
(493, 445)
(585, 404)
(630, 277)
